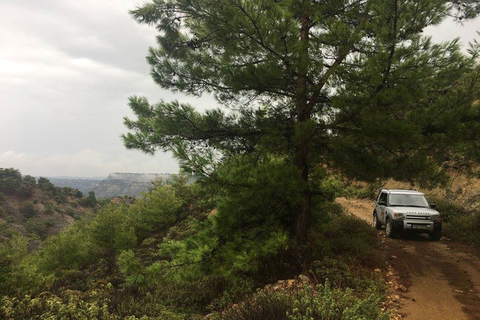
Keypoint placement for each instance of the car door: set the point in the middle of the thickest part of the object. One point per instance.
(380, 207)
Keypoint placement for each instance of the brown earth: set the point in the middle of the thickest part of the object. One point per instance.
(426, 279)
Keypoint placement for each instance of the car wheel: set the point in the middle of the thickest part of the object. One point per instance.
(389, 230)
(435, 235)
(376, 224)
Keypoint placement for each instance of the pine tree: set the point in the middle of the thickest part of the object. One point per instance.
(351, 85)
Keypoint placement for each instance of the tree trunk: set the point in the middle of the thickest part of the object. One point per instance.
(302, 149)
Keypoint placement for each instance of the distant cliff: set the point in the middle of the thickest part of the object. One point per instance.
(116, 184)
(128, 184)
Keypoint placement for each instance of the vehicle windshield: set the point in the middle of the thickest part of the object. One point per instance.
(408, 200)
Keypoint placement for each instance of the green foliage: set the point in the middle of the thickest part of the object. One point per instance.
(37, 227)
(155, 210)
(263, 306)
(91, 200)
(132, 268)
(459, 223)
(250, 225)
(18, 269)
(347, 272)
(28, 185)
(349, 236)
(10, 180)
(70, 249)
(90, 305)
(323, 302)
(46, 186)
(28, 209)
(110, 231)
(48, 208)
(309, 302)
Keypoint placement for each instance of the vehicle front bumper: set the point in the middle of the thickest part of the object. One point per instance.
(417, 226)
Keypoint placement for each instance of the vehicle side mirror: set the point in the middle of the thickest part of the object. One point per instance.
(433, 205)
(382, 203)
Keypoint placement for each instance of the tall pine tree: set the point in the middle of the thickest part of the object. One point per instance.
(349, 85)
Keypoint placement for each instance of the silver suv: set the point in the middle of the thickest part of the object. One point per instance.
(406, 210)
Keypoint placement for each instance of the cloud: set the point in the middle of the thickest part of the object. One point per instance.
(85, 163)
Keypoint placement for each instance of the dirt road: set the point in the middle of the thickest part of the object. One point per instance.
(430, 280)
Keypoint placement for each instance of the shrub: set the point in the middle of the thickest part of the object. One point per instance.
(346, 235)
(264, 306)
(323, 302)
(49, 208)
(111, 232)
(28, 209)
(460, 224)
(70, 249)
(306, 303)
(69, 304)
(18, 269)
(37, 227)
(156, 210)
(10, 180)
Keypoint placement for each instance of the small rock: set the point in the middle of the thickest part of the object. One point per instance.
(414, 300)
(393, 257)
(458, 291)
(378, 270)
(304, 278)
(401, 288)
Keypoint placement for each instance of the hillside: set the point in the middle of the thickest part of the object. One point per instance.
(462, 189)
(83, 184)
(37, 209)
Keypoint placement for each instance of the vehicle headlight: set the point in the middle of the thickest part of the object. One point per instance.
(397, 215)
(435, 218)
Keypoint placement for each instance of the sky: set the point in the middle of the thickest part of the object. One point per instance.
(67, 68)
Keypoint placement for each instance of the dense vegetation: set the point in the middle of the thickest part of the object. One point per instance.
(460, 224)
(153, 259)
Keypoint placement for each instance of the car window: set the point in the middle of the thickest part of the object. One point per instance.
(408, 200)
(383, 197)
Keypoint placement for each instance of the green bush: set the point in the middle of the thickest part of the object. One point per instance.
(110, 231)
(69, 304)
(70, 249)
(263, 306)
(323, 302)
(306, 303)
(37, 227)
(10, 180)
(155, 210)
(18, 269)
(349, 236)
(28, 209)
(459, 224)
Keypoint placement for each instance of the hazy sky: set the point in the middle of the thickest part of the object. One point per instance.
(67, 68)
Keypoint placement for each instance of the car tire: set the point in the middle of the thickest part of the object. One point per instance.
(376, 224)
(435, 235)
(389, 229)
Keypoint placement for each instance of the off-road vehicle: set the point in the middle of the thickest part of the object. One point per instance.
(406, 210)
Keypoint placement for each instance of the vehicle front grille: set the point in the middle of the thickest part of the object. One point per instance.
(417, 217)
